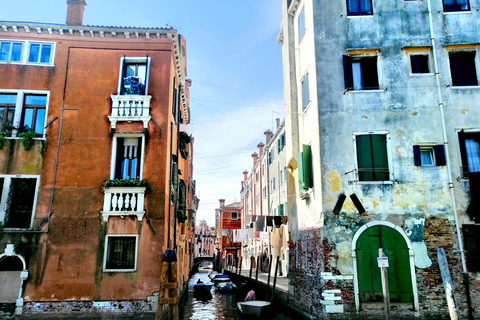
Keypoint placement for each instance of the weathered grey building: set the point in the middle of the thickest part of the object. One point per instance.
(383, 132)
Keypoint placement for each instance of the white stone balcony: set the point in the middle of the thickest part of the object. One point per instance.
(130, 108)
(124, 201)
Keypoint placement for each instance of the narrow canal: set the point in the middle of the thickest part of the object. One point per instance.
(213, 306)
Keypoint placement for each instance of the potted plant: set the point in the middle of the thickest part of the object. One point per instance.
(181, 216)
(183, 140)
(2, 139)
(124, 183)
(27, 139)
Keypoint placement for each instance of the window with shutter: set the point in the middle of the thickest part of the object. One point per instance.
(456, 5)
(470, 151)
(305, 92)
(372, 157)
(462, 68)
(17, 201)
(360, 73)
(359, 7)
(425, 155)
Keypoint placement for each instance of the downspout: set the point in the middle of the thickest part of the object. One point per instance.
(447, 156)
(170, 187)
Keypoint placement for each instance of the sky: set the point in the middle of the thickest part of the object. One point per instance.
(233, 61)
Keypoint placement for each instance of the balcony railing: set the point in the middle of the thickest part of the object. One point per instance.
(124, 201)
(130, 108)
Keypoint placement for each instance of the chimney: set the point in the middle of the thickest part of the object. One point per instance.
(278, 122)
(268, 135)
(245, 175)
(75, 12)
(260, 149)
(222, 202)
(255, 158)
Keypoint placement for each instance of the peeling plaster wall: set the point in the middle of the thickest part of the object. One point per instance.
(417, 199)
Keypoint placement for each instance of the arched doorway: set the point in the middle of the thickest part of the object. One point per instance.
(12, 275)
(401, 275)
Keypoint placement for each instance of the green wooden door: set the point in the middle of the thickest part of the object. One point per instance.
(395, 248)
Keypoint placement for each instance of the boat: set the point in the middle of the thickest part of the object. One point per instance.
(212, 274)
(225, 286)
(255, 308)
(199, 287)
(220, 278)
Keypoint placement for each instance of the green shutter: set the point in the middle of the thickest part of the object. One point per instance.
(280, 210)
(307, 162)
(364, 158)
(380, 158)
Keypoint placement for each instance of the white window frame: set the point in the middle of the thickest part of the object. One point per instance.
(305, 74)
(389, 156)
(26, 52)
(106, 249)
(127, 60)
(379, 68)
(431, 151)
(300, 34)
(6, 190)
(17, 118)
(420, 53)
(113, 162)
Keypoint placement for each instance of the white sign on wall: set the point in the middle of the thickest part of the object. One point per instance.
(382, 262)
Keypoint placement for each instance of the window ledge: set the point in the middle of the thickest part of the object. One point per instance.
(464, 87)
(119, 270)
(122, 214)
(429, 74)
(366, 91)
(28, 64)
(361, 16)
(454, 12)
(374, 182)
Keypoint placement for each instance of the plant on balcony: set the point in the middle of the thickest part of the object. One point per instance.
(183, 140)
(2, 139)
(181, 216)
(124, 183)
(27, 139)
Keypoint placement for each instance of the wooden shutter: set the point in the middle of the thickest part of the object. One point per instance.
(348, 72)
(416, 155)
(439, 155)
(353, 7)
(471, 239)
(380, 158)
(364, 158)
(307, 166)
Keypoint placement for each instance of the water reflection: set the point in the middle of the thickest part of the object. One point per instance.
(210, 305)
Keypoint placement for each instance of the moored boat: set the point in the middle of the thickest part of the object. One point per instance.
(255, 308)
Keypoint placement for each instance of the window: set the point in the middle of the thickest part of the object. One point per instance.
(134, 74)
(469, 151)
(40, 53)
(22, 111)
(471, 238)
(419, 63)
(121, 253)
(281, 142)
(360, 72)
(26, 52)
(305, 172)
(305, 91)
(359, 7)
(17, 200)
(234, 215)
(372, 158)
(462, 68)
(301, 25)
(33, 116)
(270, 157)
(455, 5)
(128, 157)
(10, 51)
(429, 155)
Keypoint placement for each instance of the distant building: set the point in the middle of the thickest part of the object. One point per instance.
(228, 248)
(205, 238)
(382, 146)
(95, 165)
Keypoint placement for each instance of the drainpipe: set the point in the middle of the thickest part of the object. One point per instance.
(449, 169)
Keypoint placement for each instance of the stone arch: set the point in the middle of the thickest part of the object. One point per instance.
(401, 235)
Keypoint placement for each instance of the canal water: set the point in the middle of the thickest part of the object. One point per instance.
(214, 306)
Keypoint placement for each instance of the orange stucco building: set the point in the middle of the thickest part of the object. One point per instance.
(95, 165)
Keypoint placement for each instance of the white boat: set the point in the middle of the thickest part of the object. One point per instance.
(254, 308)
